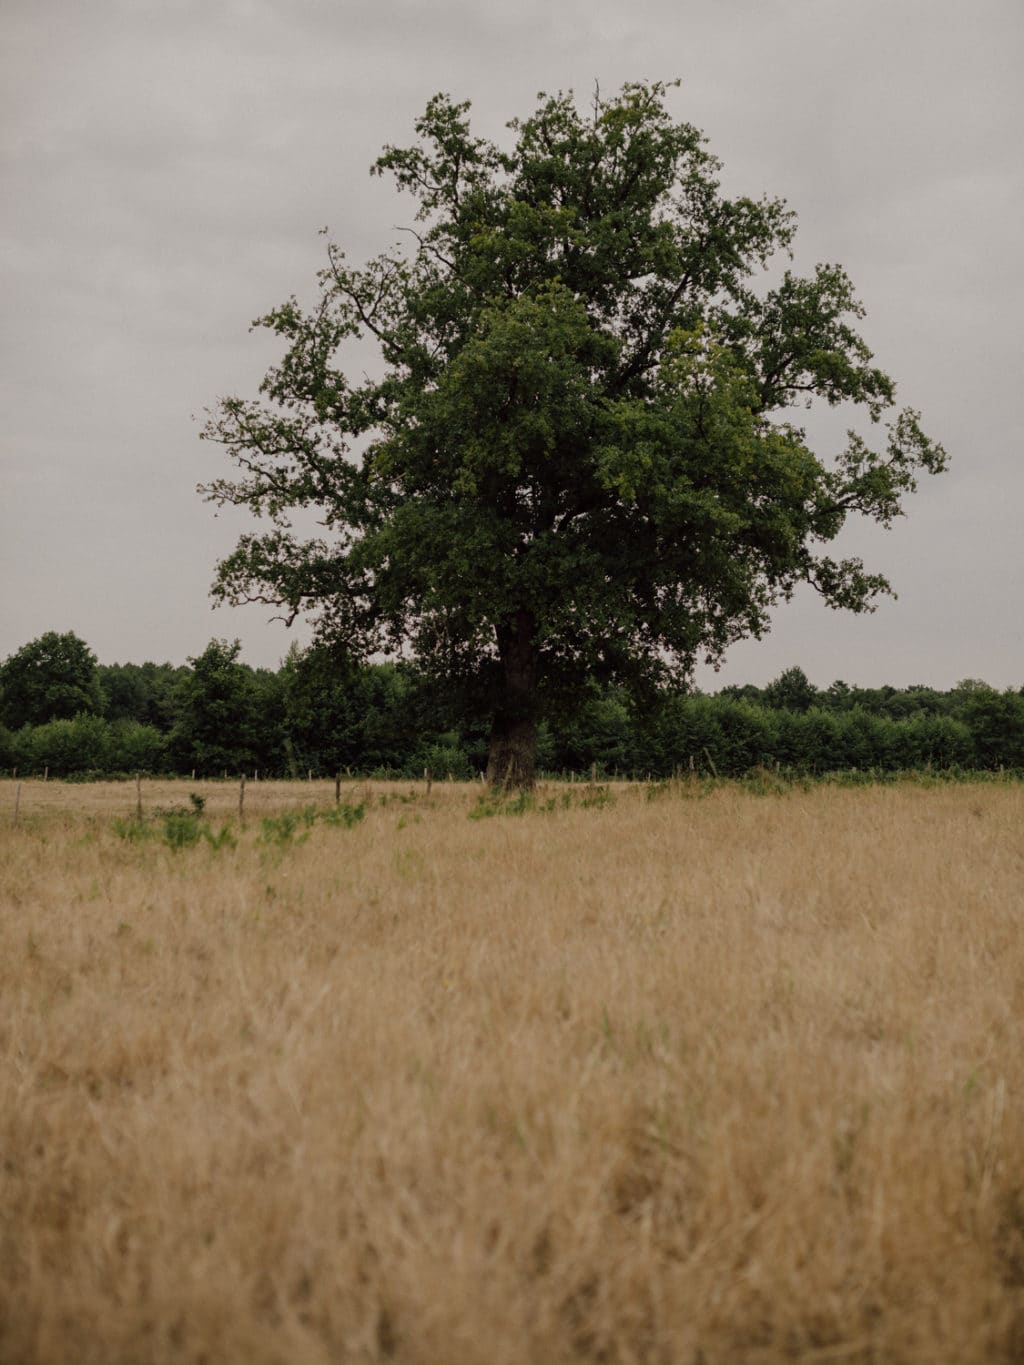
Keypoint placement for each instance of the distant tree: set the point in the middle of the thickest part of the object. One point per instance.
(320, 728)
(52, 678)
(162, 682)
(748, 692)
(600, 731)
(125, 694)
(875, 701)
(577, 456)
(216, 713)
(838, 696)
(367, 718)
(134, 747)
(996, 722)
(967, 688)
(915, 700)
(8, 749)
(792, 690)
(268, 725)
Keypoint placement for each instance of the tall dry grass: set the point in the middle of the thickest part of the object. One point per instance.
(686, 1080)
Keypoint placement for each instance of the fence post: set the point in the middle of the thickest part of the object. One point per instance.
(426, 779)
(17, 800)
(337, 789)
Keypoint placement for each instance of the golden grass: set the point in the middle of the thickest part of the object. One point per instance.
(686, 1080)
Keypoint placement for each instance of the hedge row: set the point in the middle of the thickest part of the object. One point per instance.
(699, 733)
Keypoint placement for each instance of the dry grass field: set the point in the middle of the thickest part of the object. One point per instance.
(700, 1079)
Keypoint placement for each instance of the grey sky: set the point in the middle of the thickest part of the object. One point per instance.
(166, 165)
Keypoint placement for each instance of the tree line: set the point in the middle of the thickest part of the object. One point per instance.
(64, 713)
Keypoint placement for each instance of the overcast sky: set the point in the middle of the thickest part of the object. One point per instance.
(166, 165)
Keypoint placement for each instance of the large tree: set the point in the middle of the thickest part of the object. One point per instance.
(576, 456)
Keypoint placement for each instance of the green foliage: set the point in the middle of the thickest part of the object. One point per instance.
(66, 746)
(996, 724)
(8, 750)
(396, 721)
(294, 827)
(503, 803)
(442, 760)
(86, 744)
(132, 830)
(181, 828)
(343, 814)
(577, 458)
(185, 826)
(178, 827)
(498, 802)
(598, 731)
(224, 839)
(791, 691)
(216, 713)
(338, 716)
(51, 678)
(135, 748)
(144, 693)
(281, 831)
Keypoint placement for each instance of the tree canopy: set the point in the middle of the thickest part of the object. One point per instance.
(51, 678)
(577, 456)
(216, 714)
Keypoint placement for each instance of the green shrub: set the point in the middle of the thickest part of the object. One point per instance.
(65, 747)
(442, 761)
(498, 803)
(181, 829)
(343, 814)
(281, 831)
(135, 748)
(177, 826)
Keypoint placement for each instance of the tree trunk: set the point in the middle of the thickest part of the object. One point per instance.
(512, 757)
